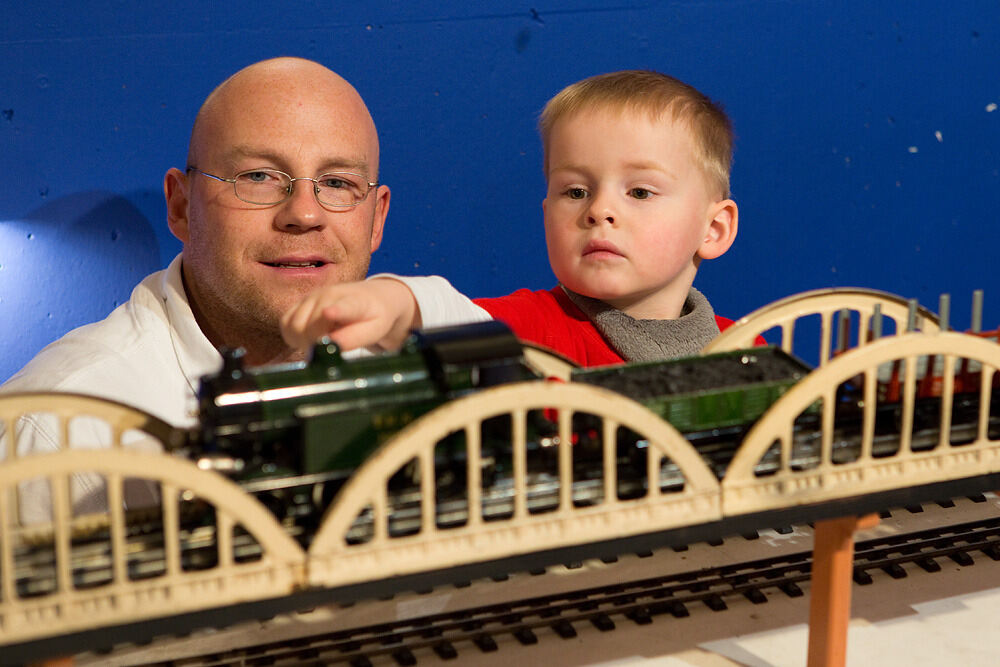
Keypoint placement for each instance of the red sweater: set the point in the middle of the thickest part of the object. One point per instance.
(550, 319)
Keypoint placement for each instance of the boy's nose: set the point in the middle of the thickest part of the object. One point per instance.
(598, 214)
(600, 210)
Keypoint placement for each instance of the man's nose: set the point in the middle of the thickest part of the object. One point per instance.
(301, 210)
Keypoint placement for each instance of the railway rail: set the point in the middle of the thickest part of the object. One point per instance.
(466, 633)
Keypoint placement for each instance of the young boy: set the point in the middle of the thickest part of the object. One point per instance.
(637, 165)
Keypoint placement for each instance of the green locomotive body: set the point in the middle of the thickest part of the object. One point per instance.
(330, 413)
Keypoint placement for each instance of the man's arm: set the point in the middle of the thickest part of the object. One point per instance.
(378, 312)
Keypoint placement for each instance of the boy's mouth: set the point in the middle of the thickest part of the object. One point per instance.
(600, 247)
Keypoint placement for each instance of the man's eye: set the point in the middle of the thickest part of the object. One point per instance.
(576, 193)
(640, 193)
(342, 182)
(257, 177)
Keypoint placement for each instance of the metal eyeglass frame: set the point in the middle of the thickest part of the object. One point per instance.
(291, 185)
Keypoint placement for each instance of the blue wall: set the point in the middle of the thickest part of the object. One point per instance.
(867, 148)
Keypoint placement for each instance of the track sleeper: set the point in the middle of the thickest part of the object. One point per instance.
(445, 650)
(639, 615)
(526, 636)
(992, 550)
(894, 570)
(678, 609)
(716, 603)
(929, 565)
(791, 589)
(485, 643)
(603, 622)
(962, 558)
(564, 629)
(404, 657)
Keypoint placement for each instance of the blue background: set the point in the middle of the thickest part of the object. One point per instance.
(867, 149)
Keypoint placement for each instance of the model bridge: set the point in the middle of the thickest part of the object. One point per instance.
(255, 567)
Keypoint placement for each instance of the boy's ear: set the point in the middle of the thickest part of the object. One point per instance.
(721, 229)
(175, 190)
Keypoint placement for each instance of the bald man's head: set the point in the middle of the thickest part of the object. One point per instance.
(245, 263)
(279, 81)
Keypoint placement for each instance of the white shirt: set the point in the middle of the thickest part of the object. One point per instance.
(149, 353)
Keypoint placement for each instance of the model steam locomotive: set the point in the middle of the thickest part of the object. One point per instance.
(292, 434)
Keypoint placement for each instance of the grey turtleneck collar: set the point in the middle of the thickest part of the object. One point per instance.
(652, 340)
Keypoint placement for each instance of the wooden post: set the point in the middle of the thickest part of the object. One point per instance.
(832, 577)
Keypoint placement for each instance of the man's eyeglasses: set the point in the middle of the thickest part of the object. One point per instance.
(267, 187)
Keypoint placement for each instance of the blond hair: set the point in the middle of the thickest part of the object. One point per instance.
(654, 94)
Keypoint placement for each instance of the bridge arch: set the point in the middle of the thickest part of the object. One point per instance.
(865, 470)
(334, 561)
(199, 567)
(63, 408)
(826, 303)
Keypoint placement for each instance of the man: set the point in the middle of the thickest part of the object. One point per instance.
(278, 125)
(280, 196)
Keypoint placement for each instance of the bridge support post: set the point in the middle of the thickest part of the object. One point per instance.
(830, 596)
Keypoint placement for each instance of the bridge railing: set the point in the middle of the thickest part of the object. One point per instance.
(83, 564)
(835, 306)
(526, 526)
(835, 434)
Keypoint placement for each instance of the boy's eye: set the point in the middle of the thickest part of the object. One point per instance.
(640, 193)
(576, 193)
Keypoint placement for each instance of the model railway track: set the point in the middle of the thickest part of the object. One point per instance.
(463, 634)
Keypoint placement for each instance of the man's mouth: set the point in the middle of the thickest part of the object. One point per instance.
(296, 265)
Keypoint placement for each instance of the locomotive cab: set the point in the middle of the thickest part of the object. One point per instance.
(466, 357)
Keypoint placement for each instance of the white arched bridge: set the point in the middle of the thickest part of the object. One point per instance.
(836, 439)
